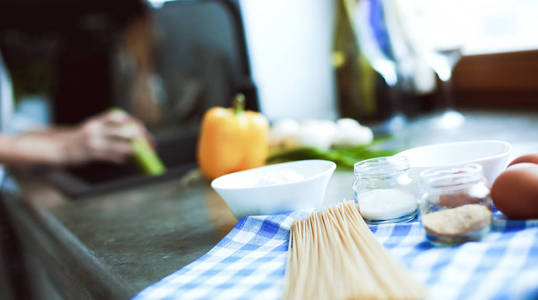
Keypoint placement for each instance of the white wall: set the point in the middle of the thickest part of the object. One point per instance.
(289, 45)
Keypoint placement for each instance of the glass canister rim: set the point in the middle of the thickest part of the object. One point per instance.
(452, 177)
(381, 166)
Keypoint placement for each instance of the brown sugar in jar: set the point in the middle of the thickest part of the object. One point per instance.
(455, 206)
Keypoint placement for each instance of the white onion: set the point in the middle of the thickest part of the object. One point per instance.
(283, 133)
(350, 133)
(321, 134)
(316, 133)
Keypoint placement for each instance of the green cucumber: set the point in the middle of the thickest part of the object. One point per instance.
(145, 157)
(344, 157)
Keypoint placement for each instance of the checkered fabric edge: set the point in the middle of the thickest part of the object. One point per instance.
(249, 262)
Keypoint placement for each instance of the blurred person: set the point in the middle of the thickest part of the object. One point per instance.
(100, 138)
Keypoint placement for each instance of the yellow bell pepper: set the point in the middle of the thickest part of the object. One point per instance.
(232, 139)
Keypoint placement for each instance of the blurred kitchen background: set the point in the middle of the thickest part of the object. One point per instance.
(382, 62)
(385, 63)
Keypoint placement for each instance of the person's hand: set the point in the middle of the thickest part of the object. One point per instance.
(106, 137)
(102, 138)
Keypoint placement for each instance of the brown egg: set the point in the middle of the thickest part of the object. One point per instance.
(515, 191)
(528, 158)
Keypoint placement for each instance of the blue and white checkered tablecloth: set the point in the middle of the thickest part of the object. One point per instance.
(249, 263)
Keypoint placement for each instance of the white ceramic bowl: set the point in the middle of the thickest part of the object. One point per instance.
(490, 154)
(245, 197)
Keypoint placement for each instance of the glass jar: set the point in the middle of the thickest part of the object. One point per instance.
(455, 205)
(384, 190)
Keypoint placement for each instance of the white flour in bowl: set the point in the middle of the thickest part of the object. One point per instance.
(278, 176)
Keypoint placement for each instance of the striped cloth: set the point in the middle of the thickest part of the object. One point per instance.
(249, 263)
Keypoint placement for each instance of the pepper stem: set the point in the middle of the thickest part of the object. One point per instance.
(239, 104)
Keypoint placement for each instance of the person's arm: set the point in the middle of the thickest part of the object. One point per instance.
(101, 138)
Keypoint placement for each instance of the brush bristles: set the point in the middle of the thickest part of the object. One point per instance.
(334, 255)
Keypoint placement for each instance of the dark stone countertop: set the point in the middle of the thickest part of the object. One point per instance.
(139, 235)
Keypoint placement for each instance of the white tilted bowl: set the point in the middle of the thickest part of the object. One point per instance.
(490, 154)
(244, 198)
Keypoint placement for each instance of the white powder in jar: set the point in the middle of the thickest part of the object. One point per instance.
(278, 176)
(385, 204)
